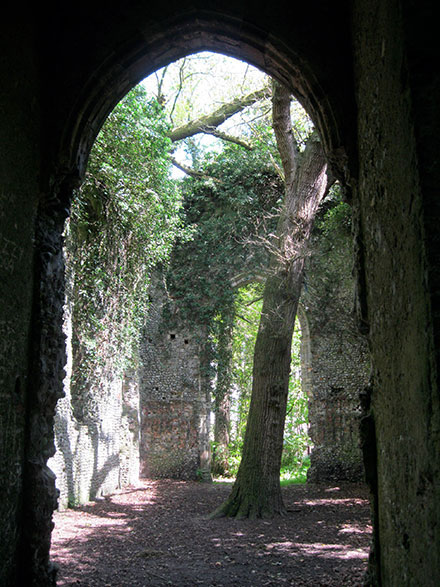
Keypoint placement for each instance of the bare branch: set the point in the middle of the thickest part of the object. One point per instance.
(243, 318)
(160, 82)
(217, 117)
(277, 168)
(193, 172)
(179, 89)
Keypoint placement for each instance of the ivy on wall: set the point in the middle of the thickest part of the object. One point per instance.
(226, 219)
(124, 220)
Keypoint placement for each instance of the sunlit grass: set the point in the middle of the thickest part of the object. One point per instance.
(297, 476)
(287, 476)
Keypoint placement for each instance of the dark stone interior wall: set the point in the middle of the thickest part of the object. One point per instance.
(394, 302)
(19, 192)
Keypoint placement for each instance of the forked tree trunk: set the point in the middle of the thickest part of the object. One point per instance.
(257, 492)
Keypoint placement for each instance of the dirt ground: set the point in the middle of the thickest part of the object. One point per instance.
(158, 534)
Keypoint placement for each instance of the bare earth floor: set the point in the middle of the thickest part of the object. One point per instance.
(158, 534)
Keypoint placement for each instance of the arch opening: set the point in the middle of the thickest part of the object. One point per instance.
(366, 58)
(107, 469)
(187, 35)
(93, 105)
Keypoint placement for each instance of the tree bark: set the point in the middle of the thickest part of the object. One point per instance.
(211, 121)
(257, 492)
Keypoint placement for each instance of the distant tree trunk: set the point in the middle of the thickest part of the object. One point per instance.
(222, 398)
(257, 492)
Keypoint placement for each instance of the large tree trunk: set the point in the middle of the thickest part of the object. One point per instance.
(257, 492)
(222, 397)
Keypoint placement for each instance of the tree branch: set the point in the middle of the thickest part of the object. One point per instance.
(217, 117)
(225, 137)
(181, 80)
(193, 172)
(282, 126)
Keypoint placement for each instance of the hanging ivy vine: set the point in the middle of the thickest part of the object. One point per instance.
(124, 220)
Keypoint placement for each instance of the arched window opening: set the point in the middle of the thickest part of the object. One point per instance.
(118, 465)
(180, 203)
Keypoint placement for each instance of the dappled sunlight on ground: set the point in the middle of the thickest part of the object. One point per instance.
(159, 534)
(331, 502)
(330, 551)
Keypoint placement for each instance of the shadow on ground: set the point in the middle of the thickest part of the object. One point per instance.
(158, 534)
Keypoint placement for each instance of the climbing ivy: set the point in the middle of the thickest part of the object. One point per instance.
(226, 214)
(124, 220)
(332, 254)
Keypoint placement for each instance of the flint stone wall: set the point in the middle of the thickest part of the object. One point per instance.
(96, 437)
(335, 363)
(174, 395)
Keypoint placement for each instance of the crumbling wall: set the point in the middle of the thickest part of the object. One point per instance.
(174, 395)
(100, 453)
(340, 371)
(338, 366)
(96, 435)
(129, 432)
(87, 460)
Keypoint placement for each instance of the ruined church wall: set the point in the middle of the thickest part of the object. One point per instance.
(96, 436)
(339, 373)
(336, 364)
(174, 397)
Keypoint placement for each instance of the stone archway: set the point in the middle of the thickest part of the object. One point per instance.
(362, 66)
(158, 42)
(96, 98)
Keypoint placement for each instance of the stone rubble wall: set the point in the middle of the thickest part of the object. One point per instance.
(99, 452)
(129, 433)
(336, 363)
(174, 396)
(340, 371)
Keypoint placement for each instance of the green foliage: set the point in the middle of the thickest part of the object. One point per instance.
(295, 476)
(124, 220)
(296, 438)
(249, 305)
(335, 220)
(332, 254)
(225, 215)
